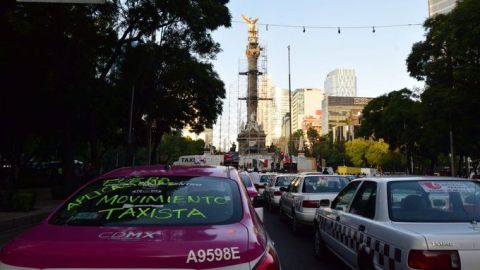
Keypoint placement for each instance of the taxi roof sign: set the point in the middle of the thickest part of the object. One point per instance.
(64, 1)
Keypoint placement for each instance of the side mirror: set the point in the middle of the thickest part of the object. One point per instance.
(258, 202)
(324, 203)
(283, 189)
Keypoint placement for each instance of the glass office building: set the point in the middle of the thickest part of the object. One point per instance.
(440, 6)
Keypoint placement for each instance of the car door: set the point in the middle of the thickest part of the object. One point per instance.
(332, 229)
(357, 219)
(289, 196)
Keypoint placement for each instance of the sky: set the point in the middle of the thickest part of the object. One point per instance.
(378, 58)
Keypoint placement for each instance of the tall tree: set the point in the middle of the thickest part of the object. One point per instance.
(377, 153)
(394, 118)
(312, 135)
(356, 150)
(68, 60)
(448, 60)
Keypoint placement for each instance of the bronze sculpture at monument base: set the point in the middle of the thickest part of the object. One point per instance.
(251, 139)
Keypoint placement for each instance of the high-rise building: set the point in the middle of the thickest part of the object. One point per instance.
(265, 110)
(306, 103)
(341, 83)
(440, 6)
(339, 111)
(280, 108)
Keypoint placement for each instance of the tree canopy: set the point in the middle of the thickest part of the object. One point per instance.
(68, 73)
(448, 60)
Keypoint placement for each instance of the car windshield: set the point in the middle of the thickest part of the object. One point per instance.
(321, 184)
(246, 180)
(284, 181)
(434, 201)
(146, 201)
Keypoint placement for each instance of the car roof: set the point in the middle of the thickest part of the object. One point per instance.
(309, 173)
(176, 170)
(286, 174)
(385, 179)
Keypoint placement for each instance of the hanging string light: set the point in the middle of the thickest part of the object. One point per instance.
(304, 27)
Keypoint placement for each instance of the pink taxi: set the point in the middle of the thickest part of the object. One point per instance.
(153, 217)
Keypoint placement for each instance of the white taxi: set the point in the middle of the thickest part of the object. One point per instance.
(402, 223)
(302, 197)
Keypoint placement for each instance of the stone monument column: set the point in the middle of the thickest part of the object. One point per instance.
(252, 52)
(251, 138)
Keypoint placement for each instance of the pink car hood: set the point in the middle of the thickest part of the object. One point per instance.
(51, 246)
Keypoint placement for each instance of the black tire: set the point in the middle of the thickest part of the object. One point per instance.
(269, 204)
(319, 248)
(281, 214)
(294, 223)
(364, 261)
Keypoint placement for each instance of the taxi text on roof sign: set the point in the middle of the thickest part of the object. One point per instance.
(65, 1)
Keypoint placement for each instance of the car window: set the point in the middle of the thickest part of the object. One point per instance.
(246, 180)
(364, 202)
(264, 178)
(283, 181)
(434, 201)
(153, 201)
(322, 184)
(343, 199)
(255, 177)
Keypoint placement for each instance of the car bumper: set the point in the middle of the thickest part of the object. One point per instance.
(305, 218)
(275, 201)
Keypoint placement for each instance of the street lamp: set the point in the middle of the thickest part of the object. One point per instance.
(289, 100)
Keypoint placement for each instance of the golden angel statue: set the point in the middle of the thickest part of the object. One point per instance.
(252, 23)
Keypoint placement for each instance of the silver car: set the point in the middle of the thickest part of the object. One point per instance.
(402, 223)
(263, 181)
(273, 189)
(302, 197)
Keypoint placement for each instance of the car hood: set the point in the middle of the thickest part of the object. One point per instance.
(52, 246)
(458, 236)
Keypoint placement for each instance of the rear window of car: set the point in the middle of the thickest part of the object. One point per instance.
(434, 201)
(264, 178)
(153, 201)
(246, 180)
(284, 181)
(324, 184)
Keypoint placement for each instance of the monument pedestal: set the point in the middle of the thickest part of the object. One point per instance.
(251, 140)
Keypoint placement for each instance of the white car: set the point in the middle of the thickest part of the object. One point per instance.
(303, 195)
(263, 181)
(402, 223)
(273, 191)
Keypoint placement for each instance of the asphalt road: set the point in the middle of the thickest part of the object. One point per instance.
(296, 251)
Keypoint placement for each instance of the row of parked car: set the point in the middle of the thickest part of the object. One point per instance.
(295, 196)
(408, 222)
(200, 217)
